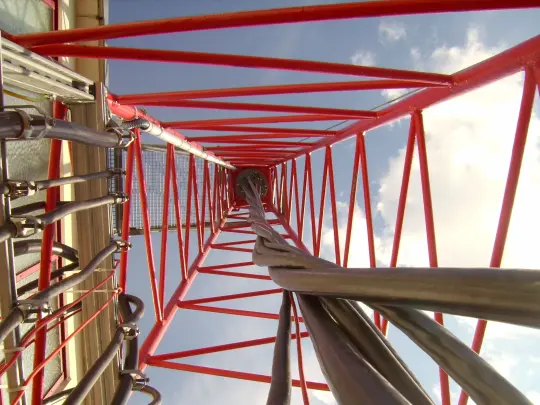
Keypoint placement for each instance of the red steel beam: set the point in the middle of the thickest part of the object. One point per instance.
(221, 105)
(430, 229)
(145, 213)
(518, 149)
(229, 297)
(44, 280)
(501, 65)
(248, 138)
(223, 348)
(165, 226)
(254, 120)
(289, 131)
(274, 90)
(217, 59)
(158, 330)
(269, 17)
(236, 273)
(232, 311)
(124, 257)
(178, 217)
(230, 373)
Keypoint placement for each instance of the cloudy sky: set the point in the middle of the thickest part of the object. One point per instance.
(469, 141)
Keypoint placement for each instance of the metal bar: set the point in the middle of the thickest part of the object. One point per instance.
(300, 357)
(126, 216)
(524, 118)
(233, 249)
(252, 120)
(158, 330)
(409, 153)
(478, 75)
(164, 226)
(223, 105)
(430, 228)
(203, 203)
(218, 59)
(210, 203)
(352, 201)
(52, 196)
(272, 90)
(232, 311)
(321, 207)
(146, 225)
(178, 217)
(303, 203)
(269, 17)
(198, 221)
(228, 265)
(335, 224)
(369, 216)
(229, 297)
(230, 374)
(222, 348)
(242, 128)
(191, 173)
(235, 274)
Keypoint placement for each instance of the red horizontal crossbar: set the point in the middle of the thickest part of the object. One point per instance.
(221, 348)
(218, 59)
(253, 120)
(237, 274)
(152, 361)
(226, 266)
(221, 105)
(247, 137)
(231, 311)
(273, 90)
(254, 147)
(249, 143)
(269, 17)
(236, 242)
(229, 297)
(239, 128)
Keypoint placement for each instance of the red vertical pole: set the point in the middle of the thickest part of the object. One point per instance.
(126, 216)
(52, 195)
(188, 211)
(518, 149)
(165, 226)
(296, 196)
(210, 202)
(146, 223)
(300, 358)
(178, 216)
(409, 152)
(335, 224)
(352, 201)
(291, 192)
(430, 229)
(369, 217)
(321, 206)
(196, 201)
(203, 204)
(311, 201)
(303, 203)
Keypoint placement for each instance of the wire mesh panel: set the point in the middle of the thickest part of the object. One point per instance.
(154, 163)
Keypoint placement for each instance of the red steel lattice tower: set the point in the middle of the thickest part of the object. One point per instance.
(284, 158)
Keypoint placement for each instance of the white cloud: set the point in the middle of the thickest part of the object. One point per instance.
(534, 397)
(391, 31)
(363, 58)
(391, 94)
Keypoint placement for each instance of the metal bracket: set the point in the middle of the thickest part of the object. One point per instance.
(20, 188)
(120, 198)
(131, 331)
(122, 246)
(125, 136)
(37, 308)
(30, 128)
(140, 380)
(27, 225)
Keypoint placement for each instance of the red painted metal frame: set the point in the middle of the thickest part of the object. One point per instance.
(271, 149)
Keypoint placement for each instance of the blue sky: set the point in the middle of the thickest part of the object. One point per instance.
(468, 149)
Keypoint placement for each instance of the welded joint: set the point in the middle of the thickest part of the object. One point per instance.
(122, 246)
(117, 171)
(131, 330)
(140, 380)
(20, 188)
(33, 309)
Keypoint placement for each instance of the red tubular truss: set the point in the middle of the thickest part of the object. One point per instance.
(287, 159)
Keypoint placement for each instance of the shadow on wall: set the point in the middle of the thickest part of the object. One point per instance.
(23, 16)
